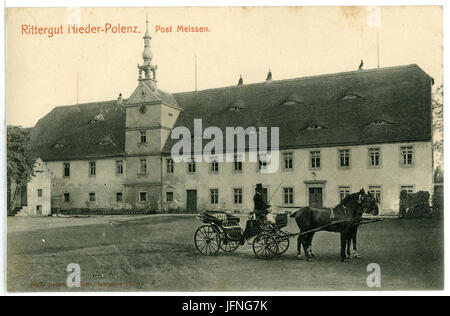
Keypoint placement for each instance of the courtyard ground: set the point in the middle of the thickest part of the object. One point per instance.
(157, 253)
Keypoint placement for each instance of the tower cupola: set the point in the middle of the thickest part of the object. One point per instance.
(147, 71)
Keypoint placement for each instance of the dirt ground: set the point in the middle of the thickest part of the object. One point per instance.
(157, 253)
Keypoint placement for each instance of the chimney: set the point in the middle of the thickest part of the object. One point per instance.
(241, 81)
(119, 99)
(269, 76)
(361, 65)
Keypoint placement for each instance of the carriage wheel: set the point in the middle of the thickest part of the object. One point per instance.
(207, 240)
(265, 246)
(229, 245)
(283, 244)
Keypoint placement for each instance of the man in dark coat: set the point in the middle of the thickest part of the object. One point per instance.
(260, 210)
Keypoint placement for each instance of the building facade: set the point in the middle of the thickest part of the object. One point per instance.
(338, 133)
(35, 197)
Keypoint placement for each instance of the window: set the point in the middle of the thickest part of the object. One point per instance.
(39, 192)
(315, 159)
(408, 188)
(344, 158)
(66, 197)
(143, 166)
(169, 196)
(374, 157)
(214, 195)
(288, 194)
(262, 163)
(191, 166)
(314, 127)
(170, 166)
(142, 197)
(119, 197)
(350, 96)
(143, 138)
(119, 167)
(67, 169)
(237, 196)
(407, 156)
(104, 142)
(288, 160)
(234, 108)
(92, 197)
(344, 191)
(214, 167)
(237, 163)
(92, 168)
(375, 190)
(290, 102)
(378, 122)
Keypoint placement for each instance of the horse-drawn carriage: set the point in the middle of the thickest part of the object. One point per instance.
(222, 231)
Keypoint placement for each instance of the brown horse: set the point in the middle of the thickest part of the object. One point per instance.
(340, 219)
(354, 229)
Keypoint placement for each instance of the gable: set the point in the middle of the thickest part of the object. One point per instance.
(143, 94)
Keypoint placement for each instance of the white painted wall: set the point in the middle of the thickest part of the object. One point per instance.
(41, 180)
(105, 184)
(390, 175)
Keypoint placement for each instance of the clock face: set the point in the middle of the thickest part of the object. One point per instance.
(142, 109)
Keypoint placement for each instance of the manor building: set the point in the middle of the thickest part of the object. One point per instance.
(337, 133)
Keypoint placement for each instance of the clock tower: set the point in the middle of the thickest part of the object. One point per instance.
(150, 116)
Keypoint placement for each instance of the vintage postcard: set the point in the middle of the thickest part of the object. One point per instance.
(154, 149)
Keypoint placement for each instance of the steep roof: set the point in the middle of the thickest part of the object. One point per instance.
(342, 105)
(80, 131)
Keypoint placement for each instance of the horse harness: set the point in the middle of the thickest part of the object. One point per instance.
(332, 216)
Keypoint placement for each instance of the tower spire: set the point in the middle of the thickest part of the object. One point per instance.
(147, 56)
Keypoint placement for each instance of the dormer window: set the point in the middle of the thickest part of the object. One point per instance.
(379, 123)
(315, 127)
(97, 119)
(58, 145)
(350, 96)
(292, 99)
(104, 142)
(235, 108)
(290, 102)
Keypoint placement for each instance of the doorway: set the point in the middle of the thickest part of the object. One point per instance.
(191, 201)
(315, 197)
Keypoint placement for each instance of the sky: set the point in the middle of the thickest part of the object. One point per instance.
(41, 71)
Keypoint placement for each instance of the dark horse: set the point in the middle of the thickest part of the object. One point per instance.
(342, 219)
(354, 229)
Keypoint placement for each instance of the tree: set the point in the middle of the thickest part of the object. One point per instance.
(20, 162)
(438, 131)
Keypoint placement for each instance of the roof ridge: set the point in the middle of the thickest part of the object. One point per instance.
(330, 75)
(88, 103)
